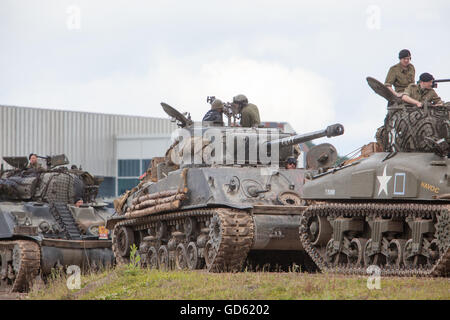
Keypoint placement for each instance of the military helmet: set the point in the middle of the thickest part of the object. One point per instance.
(240, 99)
(217, 105)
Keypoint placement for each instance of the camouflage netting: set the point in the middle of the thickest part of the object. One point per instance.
(53, 186)
(18, 188)
(57, 187)
(412, 129)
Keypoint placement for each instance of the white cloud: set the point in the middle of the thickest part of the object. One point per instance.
(296, 95)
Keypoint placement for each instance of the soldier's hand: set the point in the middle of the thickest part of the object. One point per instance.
(419, 104)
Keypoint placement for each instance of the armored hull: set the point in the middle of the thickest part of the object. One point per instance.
(217, 220)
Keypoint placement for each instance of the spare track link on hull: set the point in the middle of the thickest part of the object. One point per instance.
(375, 210)
(22, 259)
(228, 240)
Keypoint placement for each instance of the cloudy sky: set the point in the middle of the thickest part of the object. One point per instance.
(300, 61)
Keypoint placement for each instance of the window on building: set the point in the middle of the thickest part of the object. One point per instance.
(107, 187)
(145, 164)
(129, 171)
(129, 168)
(125, 184)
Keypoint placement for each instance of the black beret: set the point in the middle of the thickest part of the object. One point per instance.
(425, 77)
(404, 53)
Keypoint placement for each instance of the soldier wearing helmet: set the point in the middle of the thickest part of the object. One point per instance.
(249, 112)
(215, 114)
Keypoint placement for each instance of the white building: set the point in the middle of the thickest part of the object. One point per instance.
(117, 147)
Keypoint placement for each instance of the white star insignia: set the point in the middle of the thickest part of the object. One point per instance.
(383, 180)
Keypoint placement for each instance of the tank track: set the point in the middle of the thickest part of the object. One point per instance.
(65, 220)
(220, 236)
(22, 264)
(440, 214)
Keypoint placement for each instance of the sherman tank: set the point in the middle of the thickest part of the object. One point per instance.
(389, 207)
(41, 228)
(220, 195)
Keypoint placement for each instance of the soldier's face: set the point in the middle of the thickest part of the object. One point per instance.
(33, 159)
(78, 203)
(405, 61)
(291, 166)
(426, 85)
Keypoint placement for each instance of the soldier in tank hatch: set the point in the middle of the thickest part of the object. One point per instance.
(418, 94)
(291, 163)
(402, 74)
(215, 114)
(249, 111)
(33, 162)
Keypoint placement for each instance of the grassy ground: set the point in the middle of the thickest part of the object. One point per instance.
(130, 283)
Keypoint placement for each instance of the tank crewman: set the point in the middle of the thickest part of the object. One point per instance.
(79, 202)
(291, 163)
(402, 74)
(33, 163)
(215, 114)
(249, 112)
(418, 94)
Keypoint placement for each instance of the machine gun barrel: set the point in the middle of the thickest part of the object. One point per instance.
(331, 131)
(435, 82)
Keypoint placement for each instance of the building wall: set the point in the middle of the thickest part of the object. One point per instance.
(88, 139)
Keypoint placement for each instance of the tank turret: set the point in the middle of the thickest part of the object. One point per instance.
(197, 145)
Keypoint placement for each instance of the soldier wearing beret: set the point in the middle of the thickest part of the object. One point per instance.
(402, 74)
(418, 94)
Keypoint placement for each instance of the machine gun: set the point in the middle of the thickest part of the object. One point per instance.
(435, 82)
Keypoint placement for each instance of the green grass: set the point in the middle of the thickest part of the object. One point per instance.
(126, 282)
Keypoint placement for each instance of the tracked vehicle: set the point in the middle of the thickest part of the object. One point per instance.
(41, 229)
(391, 208)
(219, 204)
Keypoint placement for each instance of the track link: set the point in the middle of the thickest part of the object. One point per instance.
(230, 245)
(23, 265)
(400, 211)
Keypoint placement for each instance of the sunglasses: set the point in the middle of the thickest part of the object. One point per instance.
(292, 161)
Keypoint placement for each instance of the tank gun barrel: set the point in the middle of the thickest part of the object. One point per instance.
(331, 131)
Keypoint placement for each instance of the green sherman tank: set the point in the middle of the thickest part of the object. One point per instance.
(41, 229)
(213, 209)
(390, 209)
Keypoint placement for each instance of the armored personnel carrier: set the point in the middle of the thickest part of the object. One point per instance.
(220, 193)
(41, 228)
(389, 208)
